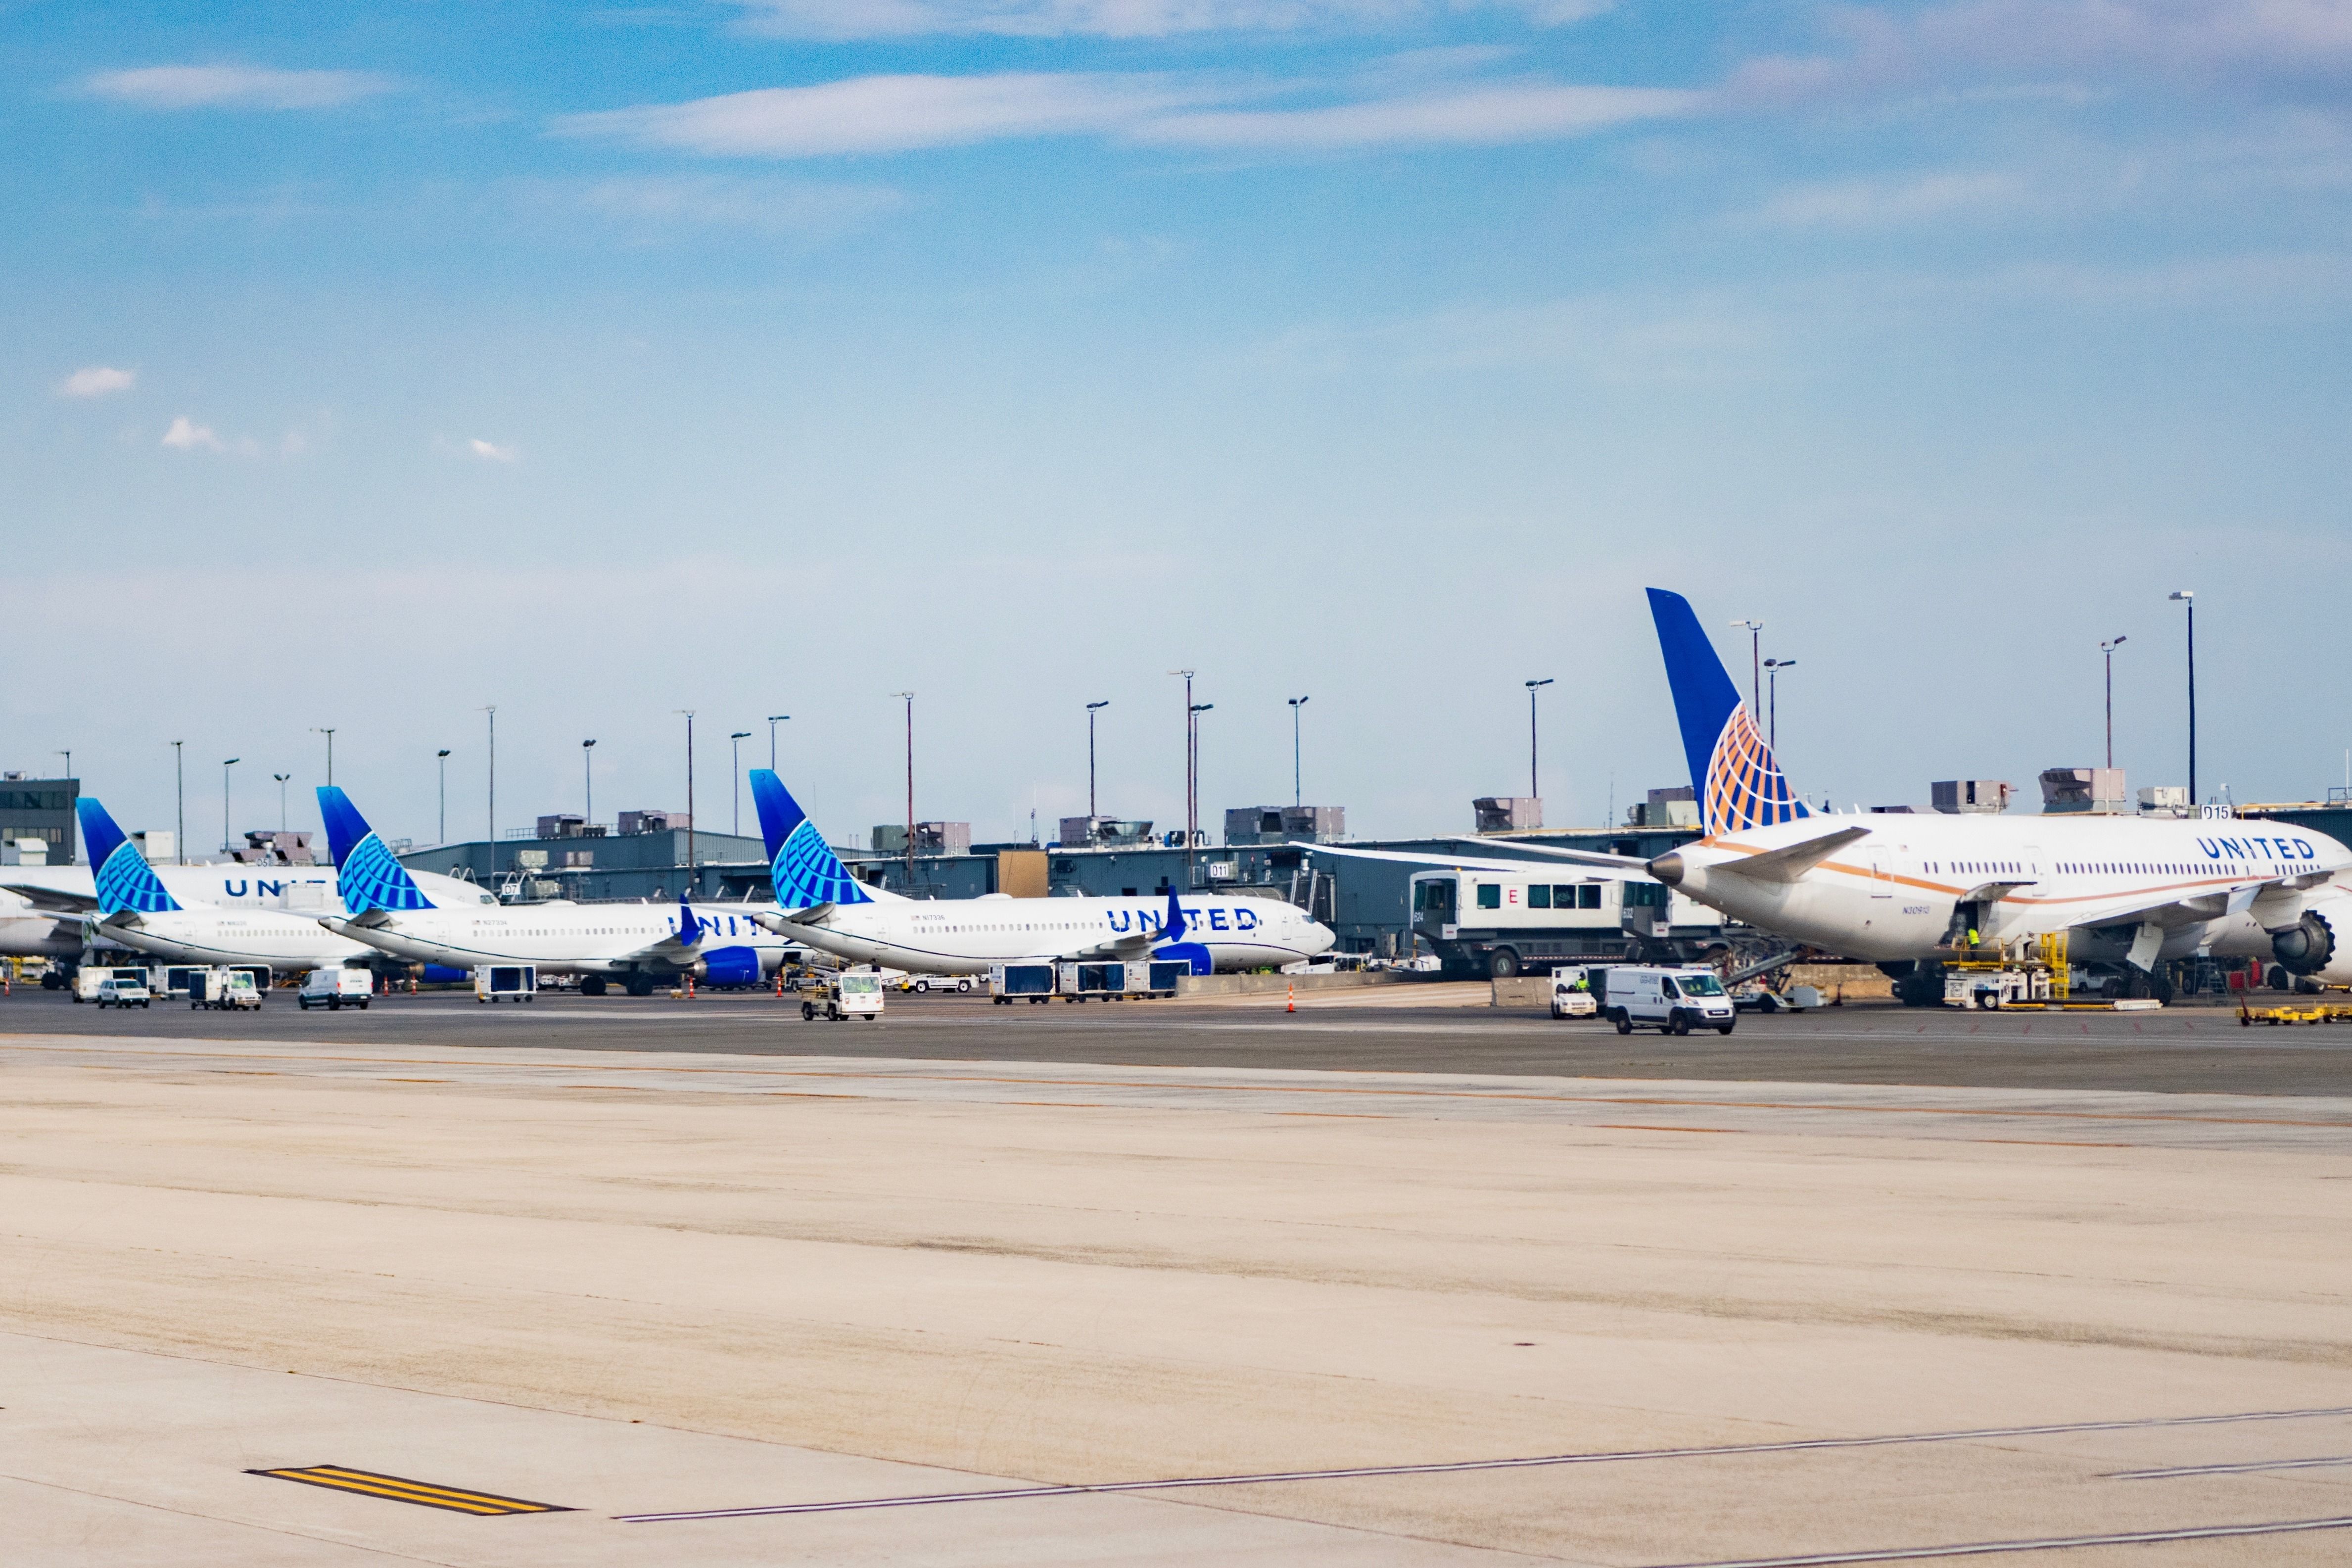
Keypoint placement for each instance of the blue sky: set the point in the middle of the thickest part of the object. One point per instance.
(764, 358)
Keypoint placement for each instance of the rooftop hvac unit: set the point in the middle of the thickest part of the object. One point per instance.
(2071, 790)
(1962, 796)
(1507, 812)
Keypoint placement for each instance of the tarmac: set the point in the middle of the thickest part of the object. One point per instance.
(615, 1281)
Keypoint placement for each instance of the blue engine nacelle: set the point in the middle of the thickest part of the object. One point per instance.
(443, 975)
(1192, 952)
(730, 966)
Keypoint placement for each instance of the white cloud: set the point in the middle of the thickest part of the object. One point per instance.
(488, 453)
(650, 206)
(1480, 116)
(1122, 18)
(1870, 203)
(186, 435)
(886, 114)
(900, 113)
(234, 86)
(2044, 40)
(97, 381)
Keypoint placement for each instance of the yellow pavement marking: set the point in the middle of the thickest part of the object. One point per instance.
(368, 1483)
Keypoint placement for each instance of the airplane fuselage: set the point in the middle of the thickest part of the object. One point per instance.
(966, 936)
(571, 938)
(1895, 893)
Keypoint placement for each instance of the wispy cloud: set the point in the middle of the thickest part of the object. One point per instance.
(97, 381)
(1463, 117)
(490, 453)
(1122, 18)
(652, 207)
(902, 113)
(1876, 204)
(235, 87)
(1876, 48)
(887, 113)
(186, 435)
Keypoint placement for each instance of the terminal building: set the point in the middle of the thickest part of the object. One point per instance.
(37, 819)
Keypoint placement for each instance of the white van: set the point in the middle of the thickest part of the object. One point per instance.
(1673, 1001)
(334, 987)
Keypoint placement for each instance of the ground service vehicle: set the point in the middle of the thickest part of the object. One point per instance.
(223, 990)
(505, 982)
(936, 982)
(1571, 994)
(1498, 922)
(119, 990)
(1673, 1001)
(89, 977)
(849, 996)
(1009, 983)
(335, 987)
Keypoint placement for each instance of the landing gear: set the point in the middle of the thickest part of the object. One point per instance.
(591, 985)
(639, 984)
(1923, 987)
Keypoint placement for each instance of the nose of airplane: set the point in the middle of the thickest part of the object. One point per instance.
(1668, 868)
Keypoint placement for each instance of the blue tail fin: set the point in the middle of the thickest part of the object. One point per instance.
(803, 867)
(1737, 782)
(366, 876)
(1172, 929)
(125, 880)
(689, 929)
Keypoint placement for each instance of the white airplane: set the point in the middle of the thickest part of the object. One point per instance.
(642, 945)
(1902, 890)
(132, 907)
(820, 903)
(50, 911)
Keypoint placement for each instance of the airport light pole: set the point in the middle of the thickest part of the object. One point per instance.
(1191, 729)
(1535, 790)
(773, 719)
(909, 699)
(1773, 669)
(587, 783)
(1193, 814)
(735, 742)
(2109, 647)
(1297, 793)
(281, 779)
(180, 802)
(492, 710)
(2188, 596)
(444, 755)
(690, 873)
(1755, 660)
(68, 757)
(1092, 709)
(329, 733)
(224, 768)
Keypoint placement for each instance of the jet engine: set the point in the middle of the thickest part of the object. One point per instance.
(730, 966)
(2312, 946)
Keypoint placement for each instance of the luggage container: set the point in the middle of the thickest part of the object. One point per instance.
(505, 982)
(1010, 983)
(176, 980)
(224, 991)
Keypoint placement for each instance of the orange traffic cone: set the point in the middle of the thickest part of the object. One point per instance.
(1294, 997)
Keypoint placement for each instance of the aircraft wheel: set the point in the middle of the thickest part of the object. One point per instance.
(594, 986)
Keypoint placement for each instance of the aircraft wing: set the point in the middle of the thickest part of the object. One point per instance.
(52, 901)
(1624, 867)
(1793, 861)
(2171, 912)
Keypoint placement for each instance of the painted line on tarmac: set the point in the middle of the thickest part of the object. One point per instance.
(2045, 1544)
(1464, 1466)
(912, 1072)
(2248, 1468)
(399, 1489)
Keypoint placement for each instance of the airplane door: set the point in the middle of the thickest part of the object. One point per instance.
(1882, 880)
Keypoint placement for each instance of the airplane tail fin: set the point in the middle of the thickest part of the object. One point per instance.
(1739, 782)
(366, 876)
(803, 867)
(689, 929)
(125, 880)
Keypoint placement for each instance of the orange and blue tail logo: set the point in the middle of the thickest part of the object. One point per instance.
(1739, 784)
